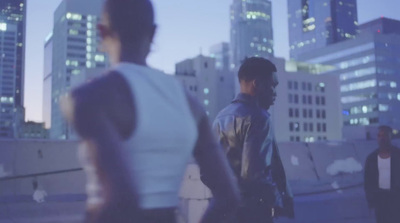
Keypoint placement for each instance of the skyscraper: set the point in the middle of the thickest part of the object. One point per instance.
(75, 48)
(14, 12)
(251, 30)
(314, 24)
(12, 51)
(368, 69)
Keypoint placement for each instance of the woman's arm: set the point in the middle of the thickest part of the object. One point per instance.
(215, 170)
(91, 110)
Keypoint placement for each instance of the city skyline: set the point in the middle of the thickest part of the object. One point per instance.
(175, 21)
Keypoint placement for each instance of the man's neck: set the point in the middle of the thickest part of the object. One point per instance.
(385, 151)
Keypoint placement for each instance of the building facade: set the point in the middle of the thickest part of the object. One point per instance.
(33, 130)
(368, 68)
(14, 12)
(211, 87)
(251, 30)
(314, 24)
(12, 51)
(307, 108)
(75, 48)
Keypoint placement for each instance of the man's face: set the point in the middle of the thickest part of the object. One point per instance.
(266, 90)
(384, 138)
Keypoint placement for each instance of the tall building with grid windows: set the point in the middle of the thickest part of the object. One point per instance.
(75, 44)
(203, 80)
(308, 107)
(12, 61)
(251, 30)
(314, 24)
(368, 68)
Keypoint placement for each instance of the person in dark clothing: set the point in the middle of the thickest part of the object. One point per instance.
(382, 179)
(139, 129)
(244, 130)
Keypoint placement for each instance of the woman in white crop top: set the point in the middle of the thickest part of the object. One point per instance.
(139, 129)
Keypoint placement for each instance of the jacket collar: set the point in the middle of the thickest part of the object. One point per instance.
(245, 98)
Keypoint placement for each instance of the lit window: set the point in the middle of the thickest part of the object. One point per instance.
(206, 102)
(88, 64)
(75, 72)
(89, 25)
(383, 108)
(393, 84)
(206, 91)
(73, 32)
(358, 85)
(3, 26)
(67, 63)
(89, 33)
(74, 16)
(364, 109)
(88, 56)
(99, 58)
(88, 48)
(89, 41)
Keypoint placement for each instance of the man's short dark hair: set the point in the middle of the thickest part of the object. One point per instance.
(255, 67)
(386, 129)
(130, 19)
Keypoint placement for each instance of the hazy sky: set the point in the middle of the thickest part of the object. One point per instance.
(185, 28)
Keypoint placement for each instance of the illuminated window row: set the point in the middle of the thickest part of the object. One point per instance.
(256, 15)
(356, 62)
(6, 99)
(390, 96)
(391, 84)
(358, 85)
(358, 73)
(74, 16)
(343, 53)
(357, 98)
(362, 121)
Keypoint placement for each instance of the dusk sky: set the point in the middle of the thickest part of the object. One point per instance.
(185, 28)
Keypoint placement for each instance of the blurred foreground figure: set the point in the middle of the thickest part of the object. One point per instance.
(382, 179)
(245, 131)
(140, 128)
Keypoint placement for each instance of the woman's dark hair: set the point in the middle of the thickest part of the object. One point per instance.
(255, 67)
(130, 19)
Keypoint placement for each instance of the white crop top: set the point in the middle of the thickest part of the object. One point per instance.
(162, 143)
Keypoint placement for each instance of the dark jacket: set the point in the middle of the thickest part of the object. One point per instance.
(244, 130)
(371, 176)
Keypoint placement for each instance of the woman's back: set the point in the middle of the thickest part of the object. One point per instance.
(164, 136)
(161, 142)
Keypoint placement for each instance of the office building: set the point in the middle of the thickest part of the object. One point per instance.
(368, 68)
(33, 130)
(314, 24)
(75, 45)
(307, 108)
(211, 87)
(251, 30)
(12, 51)
(14, 12)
